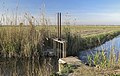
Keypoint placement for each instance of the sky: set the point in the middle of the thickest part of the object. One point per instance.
(90, 12)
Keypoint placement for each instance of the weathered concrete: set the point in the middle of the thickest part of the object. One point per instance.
(59, 47)
(68, 60)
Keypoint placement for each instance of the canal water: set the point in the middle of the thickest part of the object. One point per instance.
(107, 48)
(28, 67)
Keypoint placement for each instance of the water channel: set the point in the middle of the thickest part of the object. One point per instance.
(112, 46)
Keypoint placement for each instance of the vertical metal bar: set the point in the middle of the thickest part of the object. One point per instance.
(58, 23)
(65, 47)
(54, 48)
(60, 26)
(60, 50)
(58, 36)
(63, 51)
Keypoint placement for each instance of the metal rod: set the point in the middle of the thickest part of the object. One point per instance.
(60, 26)
(58, 23)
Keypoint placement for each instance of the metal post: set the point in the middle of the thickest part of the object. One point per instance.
(60, 50)
(60, 26)
(54, 48)
(58, 23)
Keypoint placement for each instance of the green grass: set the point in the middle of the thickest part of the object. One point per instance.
(103, 66)
(32, 40)
(81, 30)
(27, 41)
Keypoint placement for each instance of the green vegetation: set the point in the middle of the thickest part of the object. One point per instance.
(103, 65)
(67, 68)
(22, 41)
(32, 40)
(77, 42)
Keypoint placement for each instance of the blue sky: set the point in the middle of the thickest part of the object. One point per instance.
(98, 12)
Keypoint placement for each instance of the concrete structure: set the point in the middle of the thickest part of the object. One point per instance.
(59, 47)
(68, 60)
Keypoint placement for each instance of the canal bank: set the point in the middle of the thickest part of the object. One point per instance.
(76, 43)
(68, 65)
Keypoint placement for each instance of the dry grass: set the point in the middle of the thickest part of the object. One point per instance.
(104, 66)
(93, 71)
(21, 41)
(85, 30)
(27, 40)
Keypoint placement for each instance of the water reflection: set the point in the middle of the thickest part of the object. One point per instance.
(28, 67)
(108, 47)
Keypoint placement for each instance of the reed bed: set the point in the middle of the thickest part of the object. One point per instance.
(29, 40)
(76, 42)
(100, 65)
(21, 41)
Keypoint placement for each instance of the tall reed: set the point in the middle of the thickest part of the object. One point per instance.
(21, 40)
(103, 60)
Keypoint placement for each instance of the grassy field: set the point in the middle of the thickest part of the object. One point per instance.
(85, 30)
(31, 40)
(28, 41)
